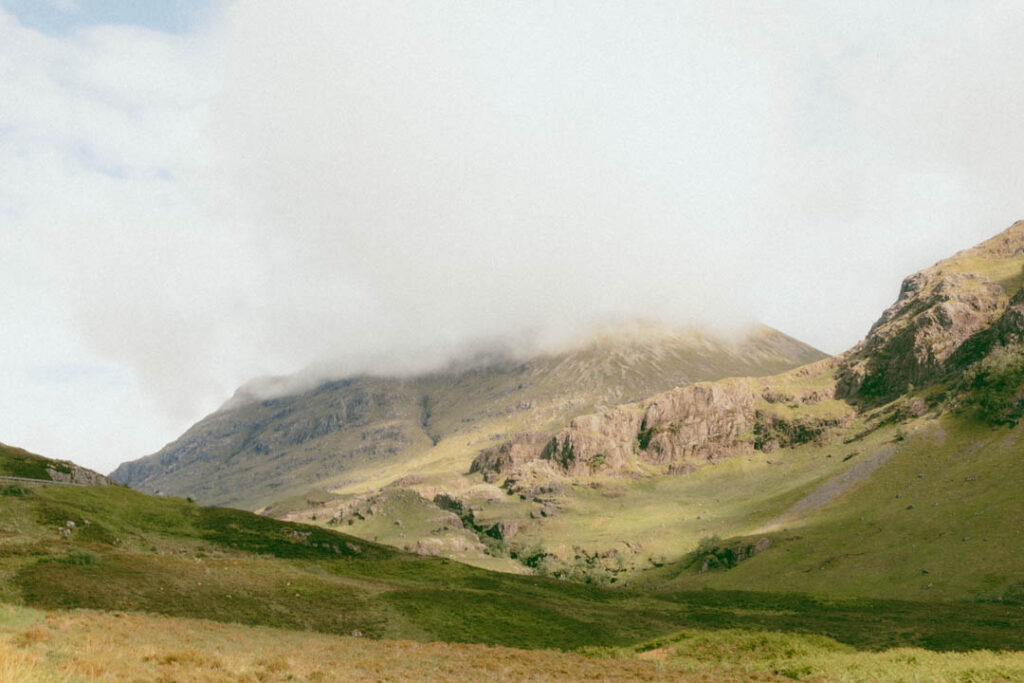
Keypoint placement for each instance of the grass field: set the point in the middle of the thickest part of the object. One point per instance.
(941, 519)
(38, 646)
(134, 552)
(220, 594)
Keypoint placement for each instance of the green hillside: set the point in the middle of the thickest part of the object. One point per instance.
(124, 553)
(19, 463)
(129, 551)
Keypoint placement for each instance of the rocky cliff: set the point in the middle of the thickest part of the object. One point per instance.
(671, 430)
(945, 318)
(939, 310)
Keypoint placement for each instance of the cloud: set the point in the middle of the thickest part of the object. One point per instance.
(63, 5)
(356, 181)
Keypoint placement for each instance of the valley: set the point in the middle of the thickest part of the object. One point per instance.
(641, 507)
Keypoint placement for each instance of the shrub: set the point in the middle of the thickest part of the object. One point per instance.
(995, 385)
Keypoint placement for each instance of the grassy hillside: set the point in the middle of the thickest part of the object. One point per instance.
(923, 509)
(940, 519)
(17, 462)
(362, 433)
(130, 552)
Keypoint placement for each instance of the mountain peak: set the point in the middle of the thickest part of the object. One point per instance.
(287, 434)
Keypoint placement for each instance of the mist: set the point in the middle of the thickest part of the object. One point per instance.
(357, 187)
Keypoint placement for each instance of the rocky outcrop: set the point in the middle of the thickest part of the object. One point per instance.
(448, 545)
(911, 342)
(503, 530)
(73, 474)
(519, 450)
(712, 557)
(601, 443)
(939, 311)
(702, 421)
(1007, 331)
(697, 422)
(19, 463)
(772, 432)
(1010, 328)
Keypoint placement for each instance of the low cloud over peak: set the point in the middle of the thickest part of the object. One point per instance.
(276, 189)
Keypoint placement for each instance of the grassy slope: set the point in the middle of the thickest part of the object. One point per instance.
(961, 477)
(942, 519)
(17, 462)
(80, 645)
(167, 556)
(658, 518)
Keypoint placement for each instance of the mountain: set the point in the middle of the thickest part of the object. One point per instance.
(946, 318)
(864, 473)
(891, 470)
(369, 430)
(714, 471)
(854, 518)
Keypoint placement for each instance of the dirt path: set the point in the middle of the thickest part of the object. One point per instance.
(832, 489)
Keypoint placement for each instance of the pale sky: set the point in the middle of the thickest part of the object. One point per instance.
(196, 193)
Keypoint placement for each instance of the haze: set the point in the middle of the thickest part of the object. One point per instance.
(196, 196)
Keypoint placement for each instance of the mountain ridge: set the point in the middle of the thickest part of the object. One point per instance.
(384, 420)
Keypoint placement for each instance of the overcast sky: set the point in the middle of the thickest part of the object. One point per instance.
(193, 194)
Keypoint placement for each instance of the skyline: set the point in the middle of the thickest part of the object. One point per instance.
(231, 190)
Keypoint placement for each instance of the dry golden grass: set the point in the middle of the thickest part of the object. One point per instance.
(88, 645)
(85, 645)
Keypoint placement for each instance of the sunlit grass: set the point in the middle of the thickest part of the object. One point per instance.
(86, 645)
(807, 657)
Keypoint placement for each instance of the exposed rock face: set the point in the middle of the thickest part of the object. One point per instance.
(599, 443)
(444, 546)
(938, 310)
(702, 421)
(520, 449)
(504, 530)
(696, 422)
(772, 432)
(1007, 331)
(913, 339)
(727, 557)
(77, 475)
(1010, 328)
